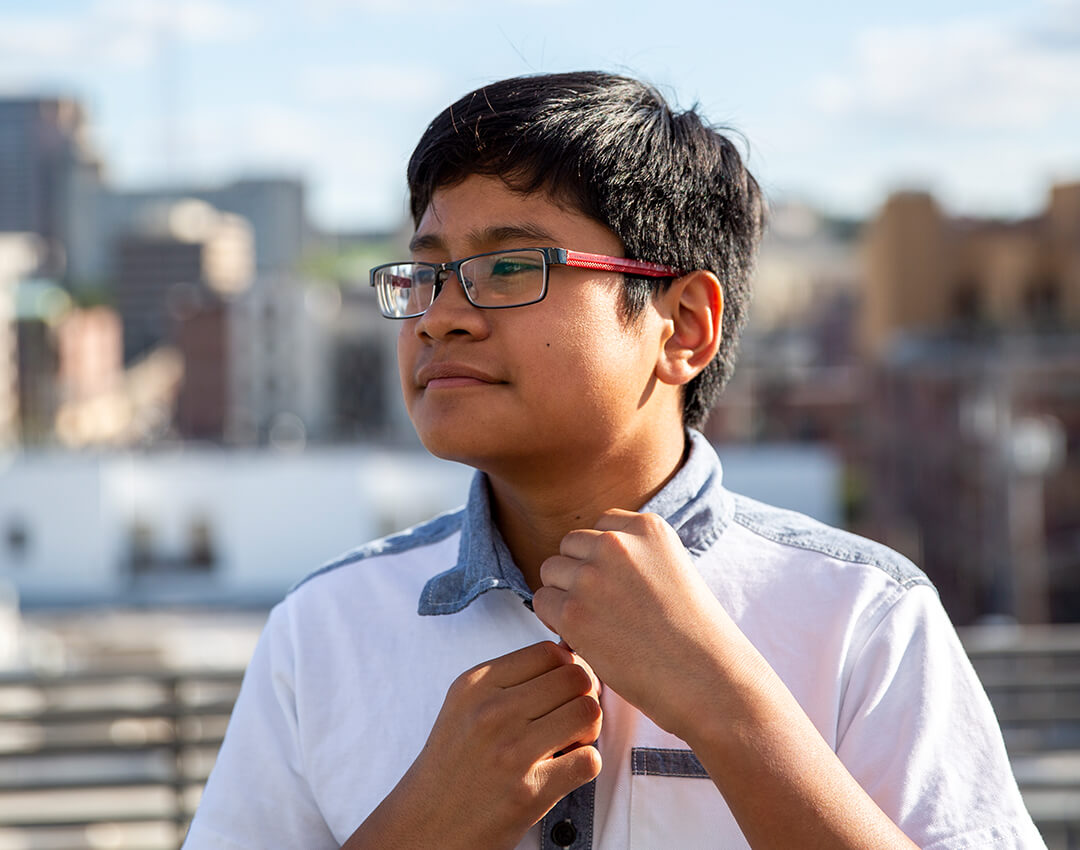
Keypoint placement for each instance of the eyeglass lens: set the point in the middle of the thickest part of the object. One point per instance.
(505, 279)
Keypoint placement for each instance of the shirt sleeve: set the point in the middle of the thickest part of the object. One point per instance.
(257, 795)
(917, 731)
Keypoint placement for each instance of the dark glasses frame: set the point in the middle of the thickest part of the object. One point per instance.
(551, 257)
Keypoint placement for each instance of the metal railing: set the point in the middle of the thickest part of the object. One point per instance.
(118, 759)
(1032, 676)
(113, 759)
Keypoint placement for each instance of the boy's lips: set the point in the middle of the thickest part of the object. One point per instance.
(452, 375)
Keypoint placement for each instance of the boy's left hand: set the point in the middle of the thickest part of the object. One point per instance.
(626, 596)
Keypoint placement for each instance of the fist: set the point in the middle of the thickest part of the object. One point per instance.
(627, 597)
(514, 736)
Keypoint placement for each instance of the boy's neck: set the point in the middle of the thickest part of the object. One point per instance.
(534, 515)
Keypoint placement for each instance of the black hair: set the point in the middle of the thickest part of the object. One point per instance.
(671, 187)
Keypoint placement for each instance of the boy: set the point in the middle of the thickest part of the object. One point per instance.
(649, 660)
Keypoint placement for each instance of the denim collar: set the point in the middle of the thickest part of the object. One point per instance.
(693, 502)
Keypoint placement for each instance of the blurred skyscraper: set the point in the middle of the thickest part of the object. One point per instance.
(176, 272)
(270, 320)
(19, 256)
(275, 207)
(45, 164)
(176, 259)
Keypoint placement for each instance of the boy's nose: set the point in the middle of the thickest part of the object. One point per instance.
(451, 311)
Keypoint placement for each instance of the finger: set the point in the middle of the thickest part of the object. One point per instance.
(579, 543)
(560, 775)
(585, 664)
(596, 687)
(551, 690)
(577, 721)
(523, 664)
(615, 519)
(558, 571)
(548, 605)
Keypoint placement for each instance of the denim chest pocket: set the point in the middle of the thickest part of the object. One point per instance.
(674, 804)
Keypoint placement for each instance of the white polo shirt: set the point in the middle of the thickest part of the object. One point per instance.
(354, 664)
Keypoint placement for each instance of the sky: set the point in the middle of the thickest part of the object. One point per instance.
(839, 103)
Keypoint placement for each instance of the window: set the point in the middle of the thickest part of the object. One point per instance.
(1042, 302)
(17, 539)
(967, 303)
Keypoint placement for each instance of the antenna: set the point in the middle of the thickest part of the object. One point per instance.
(169, 99)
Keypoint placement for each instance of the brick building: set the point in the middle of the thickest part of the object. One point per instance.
(971, 333)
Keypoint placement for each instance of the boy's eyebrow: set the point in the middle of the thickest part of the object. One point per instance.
(424, 242)
(486, 236)
(510, 233)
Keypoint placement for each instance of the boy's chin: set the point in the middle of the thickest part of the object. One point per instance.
(460, 448)
(471, 450)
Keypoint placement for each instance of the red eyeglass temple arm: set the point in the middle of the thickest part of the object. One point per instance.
(579, 259)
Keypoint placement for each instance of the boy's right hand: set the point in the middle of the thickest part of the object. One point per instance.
(489, 769)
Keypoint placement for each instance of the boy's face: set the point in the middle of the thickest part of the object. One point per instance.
(558, 382)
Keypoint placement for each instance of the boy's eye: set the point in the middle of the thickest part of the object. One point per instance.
(504, 266)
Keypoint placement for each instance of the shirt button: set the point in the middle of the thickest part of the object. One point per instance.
(564, 833)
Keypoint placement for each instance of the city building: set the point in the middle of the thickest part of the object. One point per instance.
(20, 256)
(807, 261)
(274, 207)
(926, 271)
(971, 331)
(797, 378)
(39, 305)
(61, 367)
(201, 525)
(279, 379)
(939, 358)
(975, 471)
(366, 382)
(202, 338)
(66, 359)
(177, 257)
(216, 276)
(95, 407)
(314, 362)
(175, 274)
(45, 163)
(313, 359)
(91, 353)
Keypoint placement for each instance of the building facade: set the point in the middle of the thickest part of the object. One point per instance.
(928, 272)
(971, 332)
(44, 158)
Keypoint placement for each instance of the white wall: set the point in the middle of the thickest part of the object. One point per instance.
(800, 477)
(274, 517)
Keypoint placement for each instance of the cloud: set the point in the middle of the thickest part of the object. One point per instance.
(370, 84)
(410, 7)
(355, 177)
(124, 34)
(974, 74)
(190, 20)
(44, 38)
(1060, 30)
(260, 134)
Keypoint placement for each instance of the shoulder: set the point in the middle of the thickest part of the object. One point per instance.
(410, 541)
(802, 534)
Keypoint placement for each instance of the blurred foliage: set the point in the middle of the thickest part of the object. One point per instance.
(92, 293)
(347, 260)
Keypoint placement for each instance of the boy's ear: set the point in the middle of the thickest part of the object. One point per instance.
(693, 308)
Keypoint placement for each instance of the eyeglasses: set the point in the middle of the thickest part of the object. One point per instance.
(495, 280)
